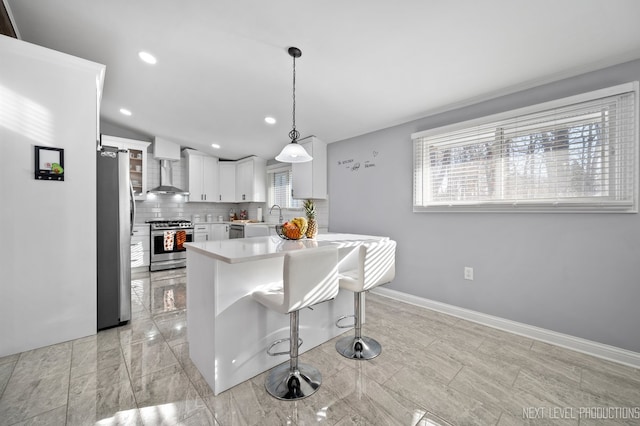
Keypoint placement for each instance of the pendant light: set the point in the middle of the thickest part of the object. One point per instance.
(294, 152)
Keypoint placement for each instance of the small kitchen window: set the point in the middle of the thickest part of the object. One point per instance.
(570, 155)
(280, 181)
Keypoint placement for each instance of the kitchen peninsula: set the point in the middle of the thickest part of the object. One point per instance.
(228, 331)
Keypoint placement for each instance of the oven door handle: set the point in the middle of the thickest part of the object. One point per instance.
(188, 231)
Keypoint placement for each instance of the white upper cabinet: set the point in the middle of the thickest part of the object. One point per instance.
(210, 179)
(310, 178)
(137, 162)
(251, 180)
(202, 176)
(227, 193)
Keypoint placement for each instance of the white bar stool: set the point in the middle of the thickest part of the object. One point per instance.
(310, 276)
(376, 266)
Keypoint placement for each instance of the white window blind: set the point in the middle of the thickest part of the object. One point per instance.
(575, 154)
(281, 187)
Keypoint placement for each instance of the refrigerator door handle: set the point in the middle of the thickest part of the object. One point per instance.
(133, 206)
(125, 237)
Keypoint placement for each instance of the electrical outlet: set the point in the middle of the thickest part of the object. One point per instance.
(468, 273)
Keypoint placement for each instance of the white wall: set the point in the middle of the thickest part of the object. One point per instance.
(48, 243)
(575, 274)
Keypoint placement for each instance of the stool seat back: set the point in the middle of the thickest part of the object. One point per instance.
(310, 277)
(376, 266)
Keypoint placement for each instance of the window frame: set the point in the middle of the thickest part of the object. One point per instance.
(590, 205)
(292, 203)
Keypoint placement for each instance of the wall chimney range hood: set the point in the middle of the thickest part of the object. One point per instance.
(166, 181)
(167, 152)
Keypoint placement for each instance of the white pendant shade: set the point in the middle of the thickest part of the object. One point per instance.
(293, 153)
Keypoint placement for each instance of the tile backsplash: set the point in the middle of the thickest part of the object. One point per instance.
(177, 206)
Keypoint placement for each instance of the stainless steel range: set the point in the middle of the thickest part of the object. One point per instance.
(167, 243)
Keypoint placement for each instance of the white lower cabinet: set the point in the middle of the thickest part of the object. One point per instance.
(220, 231)
(256, 230)
(140, 246)
(201, 232)
(210, 232)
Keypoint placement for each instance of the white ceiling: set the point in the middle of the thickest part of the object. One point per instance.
(366, 64)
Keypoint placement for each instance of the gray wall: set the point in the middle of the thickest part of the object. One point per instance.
(577, 274)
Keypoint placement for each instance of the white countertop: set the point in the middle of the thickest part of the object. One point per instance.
(256, 248)
(226, 222)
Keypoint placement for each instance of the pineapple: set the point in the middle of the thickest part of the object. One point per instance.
(312, 225)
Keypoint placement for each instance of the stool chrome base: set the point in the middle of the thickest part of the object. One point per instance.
(358, 347)
(285, 384)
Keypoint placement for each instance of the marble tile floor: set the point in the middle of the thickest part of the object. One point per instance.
(434, 370)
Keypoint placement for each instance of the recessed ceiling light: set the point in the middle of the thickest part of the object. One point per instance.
(215, 145)
(270, 120)
(125, 111)
(147, 57)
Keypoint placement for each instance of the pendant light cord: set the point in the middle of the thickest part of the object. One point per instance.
(294, 134)
(294, 152)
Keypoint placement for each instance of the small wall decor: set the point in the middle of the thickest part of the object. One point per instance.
(49, 163)
(354, 165)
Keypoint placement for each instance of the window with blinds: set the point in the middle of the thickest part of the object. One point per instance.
(574, 154)
(281, 187)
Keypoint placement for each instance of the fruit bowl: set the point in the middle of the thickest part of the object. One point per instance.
(281, 234)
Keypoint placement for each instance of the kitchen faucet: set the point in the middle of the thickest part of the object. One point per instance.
(280, 218)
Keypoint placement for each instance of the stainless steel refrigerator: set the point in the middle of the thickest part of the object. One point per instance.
(116, 215)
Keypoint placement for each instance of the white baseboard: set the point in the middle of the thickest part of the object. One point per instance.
(600, 350)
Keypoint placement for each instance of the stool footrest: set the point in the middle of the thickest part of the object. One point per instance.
(347, 325)
(277, 342)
